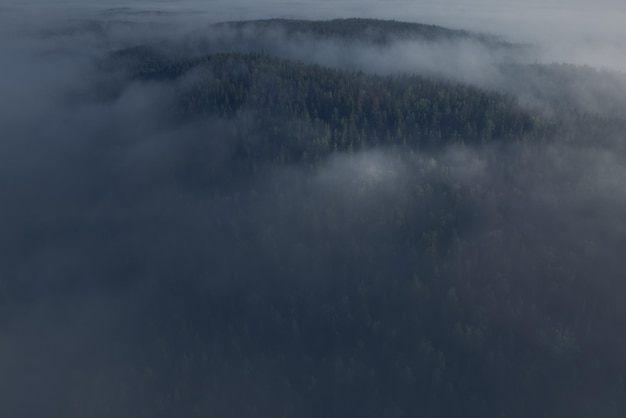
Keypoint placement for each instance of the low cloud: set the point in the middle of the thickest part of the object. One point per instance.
(121, 230)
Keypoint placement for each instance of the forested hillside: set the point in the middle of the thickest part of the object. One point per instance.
(309, 111)
(218, 231)
(367, 30)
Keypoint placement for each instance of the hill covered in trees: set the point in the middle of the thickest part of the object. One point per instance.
(309, 111)
(201, 228)
(367, 30)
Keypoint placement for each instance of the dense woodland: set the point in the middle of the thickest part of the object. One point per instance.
(309, 111)
(375, 31)
(357, 245)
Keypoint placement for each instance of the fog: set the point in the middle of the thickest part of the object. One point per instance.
(116, 238)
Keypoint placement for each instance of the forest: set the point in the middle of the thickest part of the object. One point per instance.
(375, 31)
(215, 225)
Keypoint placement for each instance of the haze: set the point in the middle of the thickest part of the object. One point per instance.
(213, 220)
